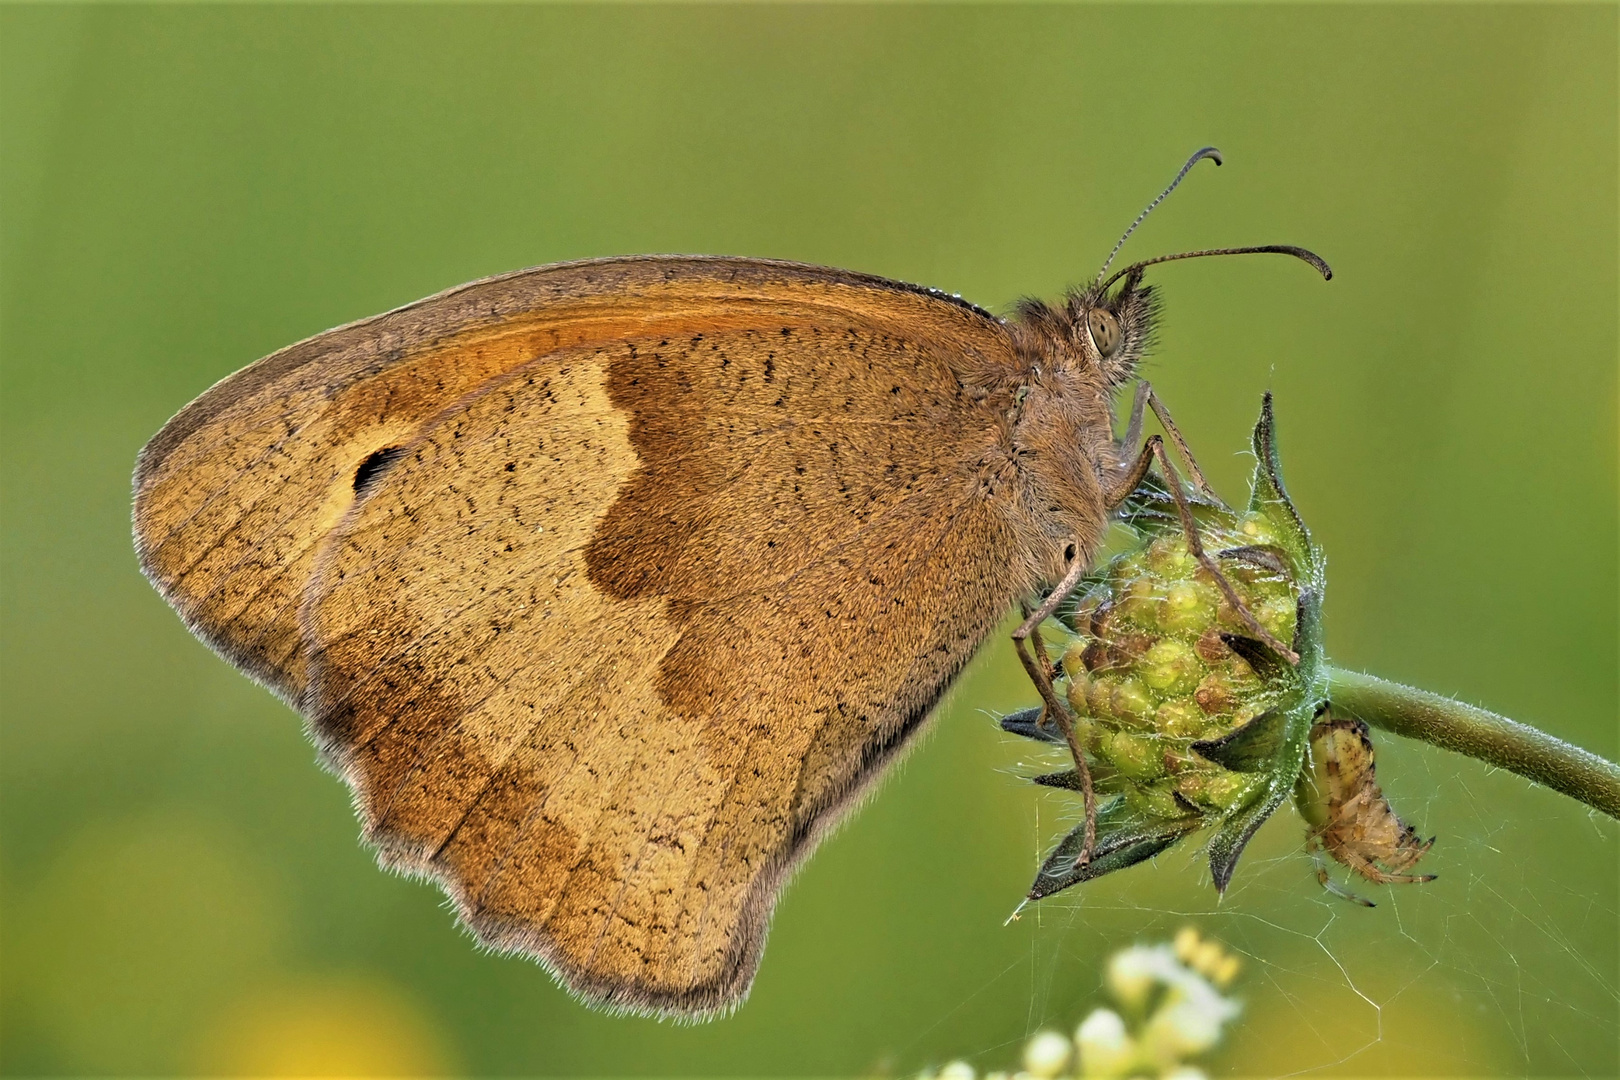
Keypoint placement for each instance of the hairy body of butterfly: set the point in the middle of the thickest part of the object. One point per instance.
(608, 586)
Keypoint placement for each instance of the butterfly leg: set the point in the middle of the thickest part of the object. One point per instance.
(1182, 449)
(1132, 475)
(1040, 673)
(1038, 649)
(1133, 430)
(1196, 546)
(1128, 482)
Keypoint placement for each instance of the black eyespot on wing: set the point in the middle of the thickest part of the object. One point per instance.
(373, 467)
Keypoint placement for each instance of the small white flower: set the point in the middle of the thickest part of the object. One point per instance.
(1180, 980)
(1132, 973)
(1181, 1030)
(1106, 1049)
(1189, 1023)
(1047, 1055)
(1186, 1072)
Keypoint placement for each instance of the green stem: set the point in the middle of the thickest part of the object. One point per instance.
(1495, 740)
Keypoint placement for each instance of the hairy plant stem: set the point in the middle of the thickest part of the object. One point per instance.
(1493, 739)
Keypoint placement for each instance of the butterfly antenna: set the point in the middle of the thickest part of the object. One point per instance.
(1206, 152)
(1303, 254)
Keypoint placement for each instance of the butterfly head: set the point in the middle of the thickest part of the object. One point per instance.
(1098, 335)
(1101, 332)
(1110, 332)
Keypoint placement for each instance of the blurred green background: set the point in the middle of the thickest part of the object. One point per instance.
(184, 189)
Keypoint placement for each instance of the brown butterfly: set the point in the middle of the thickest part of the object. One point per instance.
(609, 586)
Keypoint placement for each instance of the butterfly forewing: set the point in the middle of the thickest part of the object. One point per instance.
(234, 494)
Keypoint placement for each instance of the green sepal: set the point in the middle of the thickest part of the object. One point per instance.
(1292, 728)
(1308, 639)
(1230, 839)
(1269, 497)
(1266, 662)
(1123, 840)
(1252, 747)
(1026, 722)
(1310, 677)
(1151, 508)
(1067, 779)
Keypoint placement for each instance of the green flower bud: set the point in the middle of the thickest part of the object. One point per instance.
(1194, 718)
(1100, 697)
(1188, 608)
(1278, 615)
(1214, 788)
(1131, 701)
(1171, 667)
(1074, 658)
(1076, 693)
(1138, 599)
(1169, 557)
(1257, 529)
(1181, 719)
(1138, 757)
(1156, 801)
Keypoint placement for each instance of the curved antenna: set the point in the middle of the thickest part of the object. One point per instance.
(1207, 152)
(1316, 261)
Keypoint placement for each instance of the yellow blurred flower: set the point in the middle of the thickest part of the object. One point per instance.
(324, 1027)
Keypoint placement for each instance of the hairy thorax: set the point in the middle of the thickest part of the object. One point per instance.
(1058, 441)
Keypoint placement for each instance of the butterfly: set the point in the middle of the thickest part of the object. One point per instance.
(608, 587)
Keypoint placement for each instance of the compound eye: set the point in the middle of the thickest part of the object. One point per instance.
(1104, 331)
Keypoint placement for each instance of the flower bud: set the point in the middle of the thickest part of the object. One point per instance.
(1047, 1055)
(1189, 608)
(1170, 666)
(1131, 977)
(1197, 708)
(1106, 1049)
(1208, 959)
(1180, 1030)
